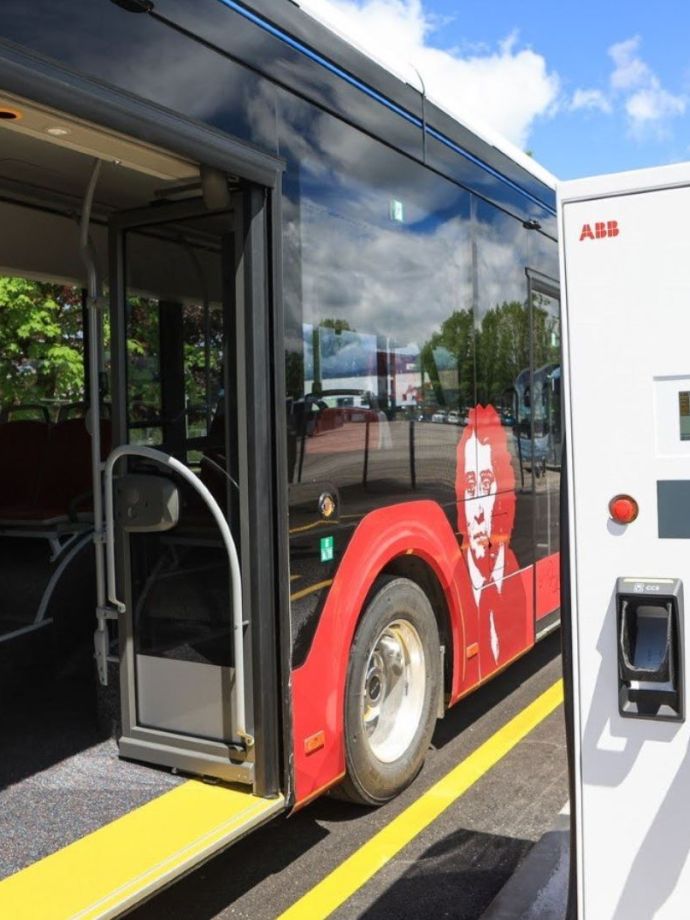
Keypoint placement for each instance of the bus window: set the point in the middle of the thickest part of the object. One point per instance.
(174, 342)
(503, 352)
(395, 329)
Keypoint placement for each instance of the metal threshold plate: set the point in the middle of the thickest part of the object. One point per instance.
(110, 870)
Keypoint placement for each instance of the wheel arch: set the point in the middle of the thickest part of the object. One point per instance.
(412, 537)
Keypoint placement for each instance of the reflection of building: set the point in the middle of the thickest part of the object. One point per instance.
(342, 359)
(412, 396)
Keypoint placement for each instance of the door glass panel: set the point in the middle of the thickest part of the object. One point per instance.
(143, 371)
(179, 310)
(546, 413)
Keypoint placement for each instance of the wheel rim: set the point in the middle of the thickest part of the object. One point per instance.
(393, 691)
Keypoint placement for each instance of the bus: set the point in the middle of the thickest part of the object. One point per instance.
(268, 502)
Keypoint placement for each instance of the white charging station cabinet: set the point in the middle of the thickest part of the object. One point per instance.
(625, 273)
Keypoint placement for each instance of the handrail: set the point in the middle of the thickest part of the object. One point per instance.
(150, 453)
(93, 302)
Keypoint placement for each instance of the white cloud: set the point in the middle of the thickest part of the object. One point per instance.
(647, 104)
(506, 88)
(654, 104)
(389, 30)
(630, 70)
(634, 88)
(590, 99)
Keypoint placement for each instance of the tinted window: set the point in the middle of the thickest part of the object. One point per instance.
(378, 272)
(502, 253)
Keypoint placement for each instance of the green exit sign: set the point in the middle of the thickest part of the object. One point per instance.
(327, 549)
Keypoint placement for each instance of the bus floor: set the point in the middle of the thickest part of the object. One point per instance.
(60, 776)
(452, 866)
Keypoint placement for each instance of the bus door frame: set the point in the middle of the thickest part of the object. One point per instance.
(249, 340)
(538, 283)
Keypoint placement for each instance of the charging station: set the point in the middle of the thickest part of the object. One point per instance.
(625, 267)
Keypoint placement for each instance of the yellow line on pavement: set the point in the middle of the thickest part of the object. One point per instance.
(298, 595)
(349, 876)
(311, 526)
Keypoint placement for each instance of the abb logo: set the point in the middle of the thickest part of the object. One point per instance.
(601, 229)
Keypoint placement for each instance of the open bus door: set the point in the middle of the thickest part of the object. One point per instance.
(180, 537)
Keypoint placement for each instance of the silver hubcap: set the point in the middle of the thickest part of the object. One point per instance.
(393, 691)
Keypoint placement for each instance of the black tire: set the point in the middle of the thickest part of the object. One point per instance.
(397, 606)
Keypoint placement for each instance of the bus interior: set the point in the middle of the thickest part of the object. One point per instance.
(160, 234)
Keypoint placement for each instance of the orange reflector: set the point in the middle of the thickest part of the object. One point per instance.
(623, 509)
(314, 742)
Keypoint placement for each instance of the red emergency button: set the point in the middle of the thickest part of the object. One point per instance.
(623, 509)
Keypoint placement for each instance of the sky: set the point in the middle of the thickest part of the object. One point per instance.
(586, 87)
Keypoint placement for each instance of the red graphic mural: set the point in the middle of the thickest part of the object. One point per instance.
(490, 600)
(485, 490)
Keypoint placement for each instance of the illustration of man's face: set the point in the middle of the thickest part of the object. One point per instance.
(484, 489)
(480, 496)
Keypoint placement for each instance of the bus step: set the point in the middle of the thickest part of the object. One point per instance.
(238, 770)
(112, 869)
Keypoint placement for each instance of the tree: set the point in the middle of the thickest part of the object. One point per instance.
(41, 342)
(502, 349)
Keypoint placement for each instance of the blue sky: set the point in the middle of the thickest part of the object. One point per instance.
(574, 39)
(587, 87)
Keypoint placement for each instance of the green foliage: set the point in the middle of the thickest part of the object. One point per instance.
(338, 325)
(294, 373)
(143, 355)
(502, 350)
(497, 350)
(143, 370)
(41, 342)
(194, 331)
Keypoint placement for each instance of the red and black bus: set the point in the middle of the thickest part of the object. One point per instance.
(279, 354)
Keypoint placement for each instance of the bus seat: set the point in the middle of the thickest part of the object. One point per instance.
(37, 411)
(79, 410)
(23, 445)
(59, 472)
(66, 474)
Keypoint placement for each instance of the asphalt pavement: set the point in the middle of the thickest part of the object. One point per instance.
(454, 868)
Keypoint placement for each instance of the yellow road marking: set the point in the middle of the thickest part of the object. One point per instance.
(112, 868)
(311, 526)
(328, 523)
(349, 876)
(298, 595)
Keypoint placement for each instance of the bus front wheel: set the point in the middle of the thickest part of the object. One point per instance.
(392, 692)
